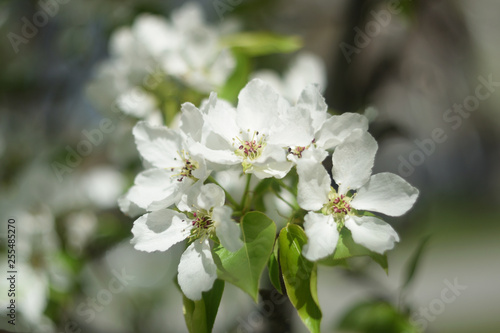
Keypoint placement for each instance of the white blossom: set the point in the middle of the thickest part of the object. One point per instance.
(319, 131)
(171, 173)
(205, 216)
(252, 135)
(358, 190)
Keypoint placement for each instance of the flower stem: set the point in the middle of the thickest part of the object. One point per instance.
(293, 207)
(228, 196)
(245, 194)
(286, 187)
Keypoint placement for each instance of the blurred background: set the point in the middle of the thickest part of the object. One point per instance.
(426, 73)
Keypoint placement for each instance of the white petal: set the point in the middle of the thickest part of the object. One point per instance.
(293, 129)
(271, 77)
(272, 163)
(129, 208)
(221, 120)
(336, 129)
(221, 157)
(386, 193)
(155, 189)
(322, 235)
(314, 185)
(197, 270)
(227, 230)
(160, 146)
(258, 106)
(372, 233)
(311, 154)
(353, 161)
(158, 231)
(191, 121)
(312, 100)
(206, 196)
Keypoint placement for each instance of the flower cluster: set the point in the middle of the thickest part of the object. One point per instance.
(184, 50)
(264, 136)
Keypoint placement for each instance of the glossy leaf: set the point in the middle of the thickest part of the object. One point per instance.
(300, 277)
(200, 315)
(274, 269)
(244, 267)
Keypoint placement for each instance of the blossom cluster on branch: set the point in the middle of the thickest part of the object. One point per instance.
(265, 137)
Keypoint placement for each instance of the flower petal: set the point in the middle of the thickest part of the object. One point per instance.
(353, 161)
(293, 129)
(336, 129)
(258, 106)
(159, 146)
(191, 121)
(159, 230)
(155, 189)
(272, 163)
(197, 270)
(128, 207)
(322, 234)
(227, 230)
(371, 232)
(312, 100)
(386, 193)
(206, 196)
(314, 185)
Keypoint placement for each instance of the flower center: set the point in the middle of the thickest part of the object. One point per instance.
(250, 149)
(203, 224)
(337, 205)
(297, 151)
(189, 166)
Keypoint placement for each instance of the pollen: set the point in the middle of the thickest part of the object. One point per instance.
(186, 171)
(337, 205)
(203, 225)
(249, 149)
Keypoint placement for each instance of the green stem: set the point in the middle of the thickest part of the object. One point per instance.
(245, 194)
(286, 187)
(294, 208)
(228, 196)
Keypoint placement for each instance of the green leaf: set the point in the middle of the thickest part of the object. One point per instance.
(376, 317)
(262, 43)
(244, 267)
(273, 267)
(414, 261)
(299, 275)
(200, 315)
(347, 248)
(238, 79)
